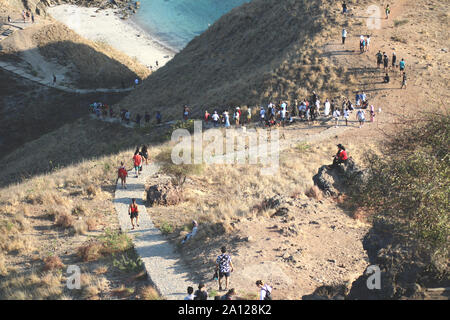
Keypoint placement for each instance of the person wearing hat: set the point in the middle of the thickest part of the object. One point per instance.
(340, 157)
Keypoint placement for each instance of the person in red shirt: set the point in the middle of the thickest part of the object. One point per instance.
(137, 159)
(340, 157)
(123, 173)
(133, 212)
(207, 116)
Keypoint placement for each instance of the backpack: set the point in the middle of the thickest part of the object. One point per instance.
(122, 173)
(268, 295)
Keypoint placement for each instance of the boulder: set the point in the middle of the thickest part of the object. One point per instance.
(335, 181)
(165, 194)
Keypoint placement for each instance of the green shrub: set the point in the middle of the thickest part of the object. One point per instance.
(166, 228)
(408, 187)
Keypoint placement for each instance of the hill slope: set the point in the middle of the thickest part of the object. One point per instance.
(260, 51)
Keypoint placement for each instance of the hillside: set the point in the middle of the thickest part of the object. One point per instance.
(242, 59)
(264, 50)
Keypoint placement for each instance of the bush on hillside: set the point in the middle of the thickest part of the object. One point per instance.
(408, 187)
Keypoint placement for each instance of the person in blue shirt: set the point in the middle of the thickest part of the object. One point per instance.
(402, 65)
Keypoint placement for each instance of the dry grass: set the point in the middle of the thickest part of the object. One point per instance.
(52, 263)
(315, 193)
(149, 293)
(243, 61)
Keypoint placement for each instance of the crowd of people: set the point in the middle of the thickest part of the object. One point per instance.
(104, 111)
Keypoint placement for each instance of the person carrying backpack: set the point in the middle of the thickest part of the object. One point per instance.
(122, 174)
(225, 267)
(379, 56)
(133, 212)
(265, 292)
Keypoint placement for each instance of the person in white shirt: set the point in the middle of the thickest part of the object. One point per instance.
(265, 292)
(360, 115)
(215, 117)
(346, 116)
(344, 35)
(190, 295)
(336, 115)
(192, 233)
(327, 108)
(318, 106)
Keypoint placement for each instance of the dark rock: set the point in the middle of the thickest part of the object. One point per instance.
(164, 194)
(336, 180)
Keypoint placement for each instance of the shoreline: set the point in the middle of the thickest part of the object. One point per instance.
(105, 25)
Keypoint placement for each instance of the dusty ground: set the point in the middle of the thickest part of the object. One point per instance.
(323, 241)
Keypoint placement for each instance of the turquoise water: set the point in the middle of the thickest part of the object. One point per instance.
(176, 22)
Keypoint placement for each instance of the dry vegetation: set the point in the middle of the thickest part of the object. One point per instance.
(243, 60)
(217, 195)
(64, 218)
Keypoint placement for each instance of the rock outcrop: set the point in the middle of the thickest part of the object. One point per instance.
(165, 194)
(335, 181)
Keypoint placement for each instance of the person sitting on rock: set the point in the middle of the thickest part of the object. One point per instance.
(340, 157)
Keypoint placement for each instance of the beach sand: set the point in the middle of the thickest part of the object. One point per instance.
(123, 35)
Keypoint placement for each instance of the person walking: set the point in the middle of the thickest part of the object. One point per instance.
(368, 43)
(207, 117)
(336, 115)
(388, 11)
(346, 115)
(225, 266)
(262, 116)
(249, 115)
(265, 291)
(215, 118)
(227, 119)
(360, 115)
(344, 7)
(144, 153)
(385, 61)
(379, 56)
(394, 60)
(344, 35)
(372, 113)
(54, 79)
(133, 212)
(402, 65)
(122, 174)
(403, 81)
(137, 161)
(237, 116)
(201, 293)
